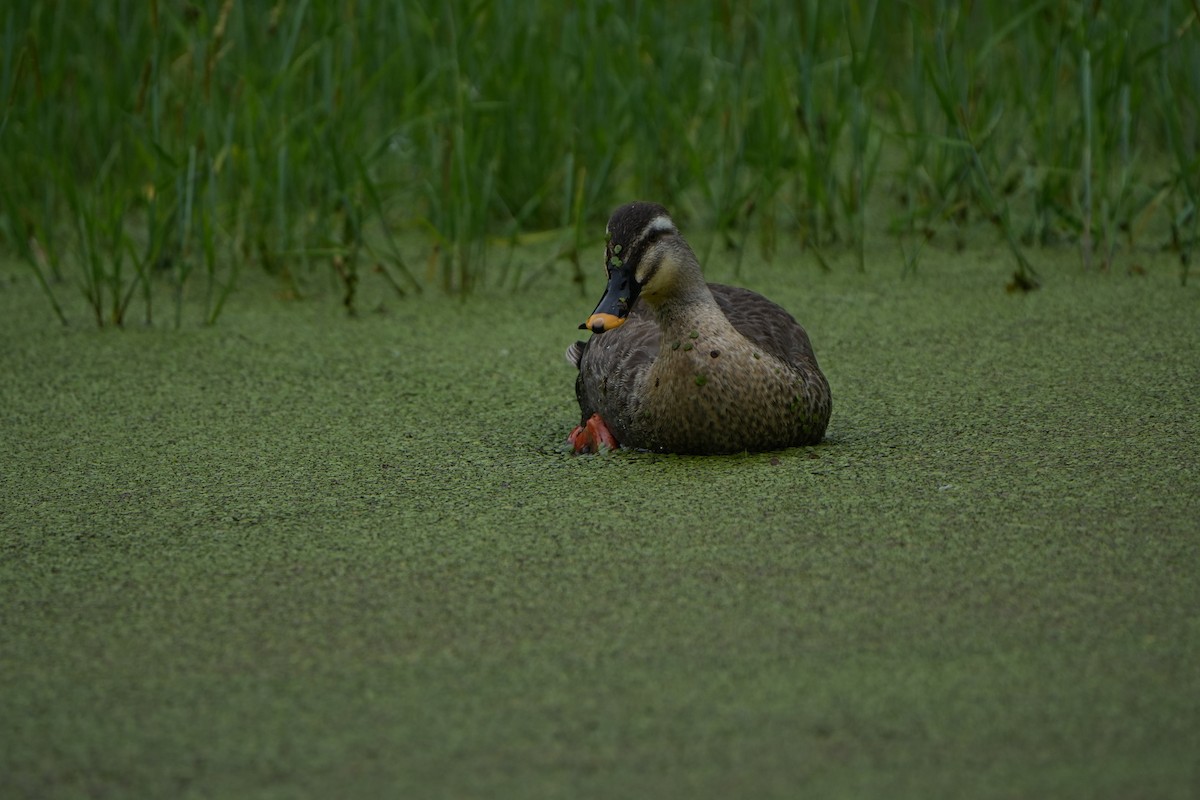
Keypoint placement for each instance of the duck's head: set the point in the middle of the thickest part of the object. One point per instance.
(644, 256)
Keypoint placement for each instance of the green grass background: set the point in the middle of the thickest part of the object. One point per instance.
(193, 140)
(299, 555)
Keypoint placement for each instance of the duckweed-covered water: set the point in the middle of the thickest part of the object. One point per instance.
(297, 554)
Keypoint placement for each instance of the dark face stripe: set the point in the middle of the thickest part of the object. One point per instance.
(631, 255)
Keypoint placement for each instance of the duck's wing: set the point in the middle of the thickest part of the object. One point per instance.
(609, 363)
(765, 323)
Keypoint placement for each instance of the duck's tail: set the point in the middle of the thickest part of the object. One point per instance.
(574, 353)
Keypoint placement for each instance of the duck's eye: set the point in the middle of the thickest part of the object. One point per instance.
(617, 249)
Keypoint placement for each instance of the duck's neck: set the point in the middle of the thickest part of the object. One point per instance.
(688, 304)
(690, 308)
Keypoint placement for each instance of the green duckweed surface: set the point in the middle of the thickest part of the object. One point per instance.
(302, 555)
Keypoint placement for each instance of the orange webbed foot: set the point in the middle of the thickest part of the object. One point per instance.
(591, 436)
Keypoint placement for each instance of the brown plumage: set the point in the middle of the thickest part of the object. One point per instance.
(680, 365)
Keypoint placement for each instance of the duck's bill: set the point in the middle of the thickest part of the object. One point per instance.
(614, 306)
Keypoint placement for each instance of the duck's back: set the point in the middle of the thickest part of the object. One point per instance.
(766, 324)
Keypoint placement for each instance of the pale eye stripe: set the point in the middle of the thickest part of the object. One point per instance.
(661, 224)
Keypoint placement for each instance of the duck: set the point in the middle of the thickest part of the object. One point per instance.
(678, 365)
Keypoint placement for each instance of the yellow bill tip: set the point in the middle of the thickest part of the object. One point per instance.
(599, 323)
